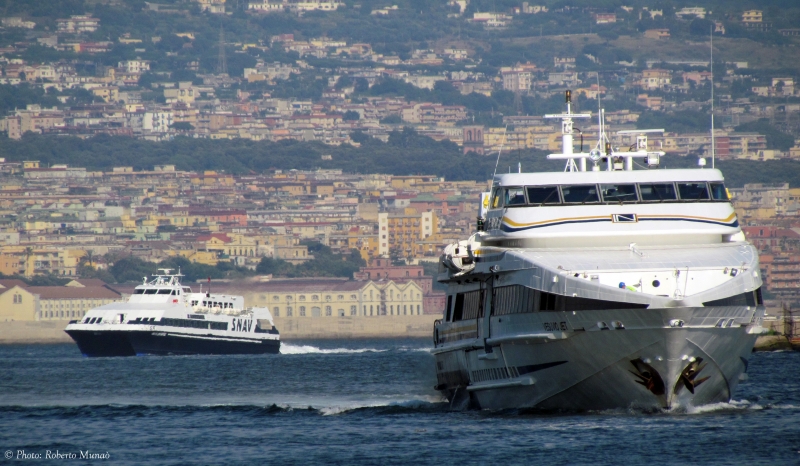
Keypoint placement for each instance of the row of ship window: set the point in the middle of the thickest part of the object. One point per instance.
(517, 299)
(617, 193)
(157, 291)
(316, 312)
(187, 323)
(214, 304)
(339, 298)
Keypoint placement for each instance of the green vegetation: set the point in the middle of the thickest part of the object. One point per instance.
(324, 264)
(677, 122)
(40, 280)
(13, 97)
(432, 270)
(126, 269)
(406, 153)
(132, 269)
(776, 139)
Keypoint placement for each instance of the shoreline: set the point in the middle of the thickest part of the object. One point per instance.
(417, 326)
(298, 328)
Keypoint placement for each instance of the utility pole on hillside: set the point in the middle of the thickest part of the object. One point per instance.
(222, 65)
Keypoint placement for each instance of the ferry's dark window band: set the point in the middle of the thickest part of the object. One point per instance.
(191, 323)
(517, 299)
(749, 298)
(620, 193)
(157, 291)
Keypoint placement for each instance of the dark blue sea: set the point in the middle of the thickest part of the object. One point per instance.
(351, 402)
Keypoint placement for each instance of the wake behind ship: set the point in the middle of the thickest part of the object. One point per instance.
(601, 288)
(164, 317)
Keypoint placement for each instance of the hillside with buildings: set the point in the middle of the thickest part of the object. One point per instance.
(243, 136)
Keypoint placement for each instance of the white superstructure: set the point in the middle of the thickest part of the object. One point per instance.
(162, 316)
(602, 286)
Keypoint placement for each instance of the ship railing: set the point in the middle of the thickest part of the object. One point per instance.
(436, 324)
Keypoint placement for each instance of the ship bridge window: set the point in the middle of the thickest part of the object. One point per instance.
(497, 200)
(657, 192)
(580, 194)
(468, 306)
(151, 291)
(514, 299)
(164, 291)
(514, 196)
(619, 193)
(138, 291)
(543, 195)
(718, 191)
(693, 191)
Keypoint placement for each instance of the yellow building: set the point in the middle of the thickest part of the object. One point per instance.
(399, 231)
(10, 265)
(20, 302)
(38, 260)
(16, 303)
(70, 302)
(326, 298)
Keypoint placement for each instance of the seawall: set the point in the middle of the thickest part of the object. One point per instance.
(21, 332)
(51, 331)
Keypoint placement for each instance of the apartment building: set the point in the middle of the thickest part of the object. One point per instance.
(399, 231)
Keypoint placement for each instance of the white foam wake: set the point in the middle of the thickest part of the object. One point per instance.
(418, 403)
(732, 405)
(308, 349)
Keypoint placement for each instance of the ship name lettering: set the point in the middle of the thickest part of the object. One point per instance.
(242, 325)
(555, 326)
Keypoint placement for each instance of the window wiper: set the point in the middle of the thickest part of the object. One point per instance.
(588, 196)
(548, 197)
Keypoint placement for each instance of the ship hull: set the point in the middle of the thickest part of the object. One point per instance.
(102, 343)
(641, 366)
(171, 343)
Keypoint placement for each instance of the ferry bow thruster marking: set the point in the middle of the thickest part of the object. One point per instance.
(164, 317)
(599, 287)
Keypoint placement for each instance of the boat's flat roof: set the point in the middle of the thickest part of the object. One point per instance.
(590, 177)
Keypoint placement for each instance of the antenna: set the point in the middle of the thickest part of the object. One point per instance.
(713, 146)
(222, 65)
(567, 151)
(498, 156)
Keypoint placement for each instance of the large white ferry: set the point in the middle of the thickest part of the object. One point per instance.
(163, 316)
(602, 288)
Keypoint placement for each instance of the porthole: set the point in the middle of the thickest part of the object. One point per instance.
(656, 283)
